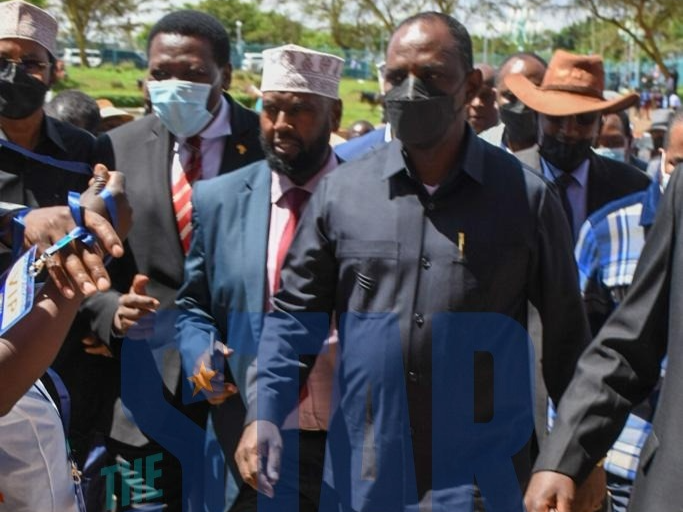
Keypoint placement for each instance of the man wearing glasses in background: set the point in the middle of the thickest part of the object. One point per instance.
(569, 103)
(28, 40)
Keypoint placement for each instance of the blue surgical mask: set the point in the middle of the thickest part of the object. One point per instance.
(180, 105)
(613, 153)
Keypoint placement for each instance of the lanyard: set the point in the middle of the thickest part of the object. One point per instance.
(64, 412)
(75, 167)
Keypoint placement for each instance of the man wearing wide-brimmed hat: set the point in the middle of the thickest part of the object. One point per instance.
(570, 102)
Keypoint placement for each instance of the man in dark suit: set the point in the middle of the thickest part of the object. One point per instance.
(420, 233)
(240, 220)
(569, 103)
(197, 131)
(619, 369)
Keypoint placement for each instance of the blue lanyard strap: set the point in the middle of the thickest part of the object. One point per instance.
(76, 167)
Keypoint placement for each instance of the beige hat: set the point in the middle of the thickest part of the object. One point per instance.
(107, 109)
(21, 20)
(293, 68)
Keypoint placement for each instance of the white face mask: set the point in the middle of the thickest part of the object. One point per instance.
(613, 153)
(180, 105)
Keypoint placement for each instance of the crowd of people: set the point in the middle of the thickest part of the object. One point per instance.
(472, 306)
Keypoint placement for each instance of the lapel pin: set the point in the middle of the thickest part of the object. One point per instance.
(241, 149)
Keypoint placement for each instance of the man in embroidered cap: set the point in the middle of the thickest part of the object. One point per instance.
(245, 220)
(569, 102)
(27, 70)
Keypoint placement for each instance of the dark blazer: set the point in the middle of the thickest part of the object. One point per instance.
(609, 180)
(621, 367)
(142, 151)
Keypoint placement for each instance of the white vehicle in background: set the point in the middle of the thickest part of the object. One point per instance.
(252, 61)
(72, 57)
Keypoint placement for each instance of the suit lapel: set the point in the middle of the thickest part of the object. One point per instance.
(240, 149)
(254, 206)
(596, 178)
(160, 157)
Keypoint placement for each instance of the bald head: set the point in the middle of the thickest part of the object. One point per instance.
(528, 64)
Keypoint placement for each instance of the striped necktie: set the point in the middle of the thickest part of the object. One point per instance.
(182, 191)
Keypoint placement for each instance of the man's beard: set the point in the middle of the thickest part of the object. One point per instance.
(307, 163)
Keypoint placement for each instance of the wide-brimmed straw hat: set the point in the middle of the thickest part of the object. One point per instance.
(573, 84)
(107, 110)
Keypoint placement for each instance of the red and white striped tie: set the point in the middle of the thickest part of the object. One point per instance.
(182, 191)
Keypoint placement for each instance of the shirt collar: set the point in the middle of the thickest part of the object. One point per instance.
(52, 132)
(580, 174)
(470, 159)
(281, 184)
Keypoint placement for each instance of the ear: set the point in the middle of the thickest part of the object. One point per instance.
(472, 84)
(227, 76)
(336, 114)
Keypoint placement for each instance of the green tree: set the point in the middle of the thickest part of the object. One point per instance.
(644, 21)
(86, 16)
(259, 27)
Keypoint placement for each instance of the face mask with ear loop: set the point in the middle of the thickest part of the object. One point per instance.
(420, 115)
(180, 105)
(20, 93)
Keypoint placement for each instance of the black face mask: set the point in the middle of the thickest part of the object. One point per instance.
(566, 156)
(520, 122)
(20, 93)
(419, 115)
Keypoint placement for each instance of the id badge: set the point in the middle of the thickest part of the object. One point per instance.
(17, 291)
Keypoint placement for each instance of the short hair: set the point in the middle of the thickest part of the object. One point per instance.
(460, 35)
(188, 22)
(675, 119)
(75, 107)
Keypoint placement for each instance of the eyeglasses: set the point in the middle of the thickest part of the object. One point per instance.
(28, 65)
(586, 119)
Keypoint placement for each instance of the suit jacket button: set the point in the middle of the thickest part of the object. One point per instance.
(419, 319)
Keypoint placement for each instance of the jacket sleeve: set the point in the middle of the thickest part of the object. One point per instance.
(555, 293)
(622, 365)
(195, 327)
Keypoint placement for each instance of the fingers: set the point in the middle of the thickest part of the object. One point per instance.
(131, 309)
(59, 277)
(227, 390)
(139, 286)
(94, 346)
(104, 232)
(273, 464)
(86, 270)
(246, 456)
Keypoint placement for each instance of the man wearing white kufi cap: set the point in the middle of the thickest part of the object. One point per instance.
(28, 39)
(245, 220)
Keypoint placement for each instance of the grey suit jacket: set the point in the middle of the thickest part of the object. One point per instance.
(142, 151)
